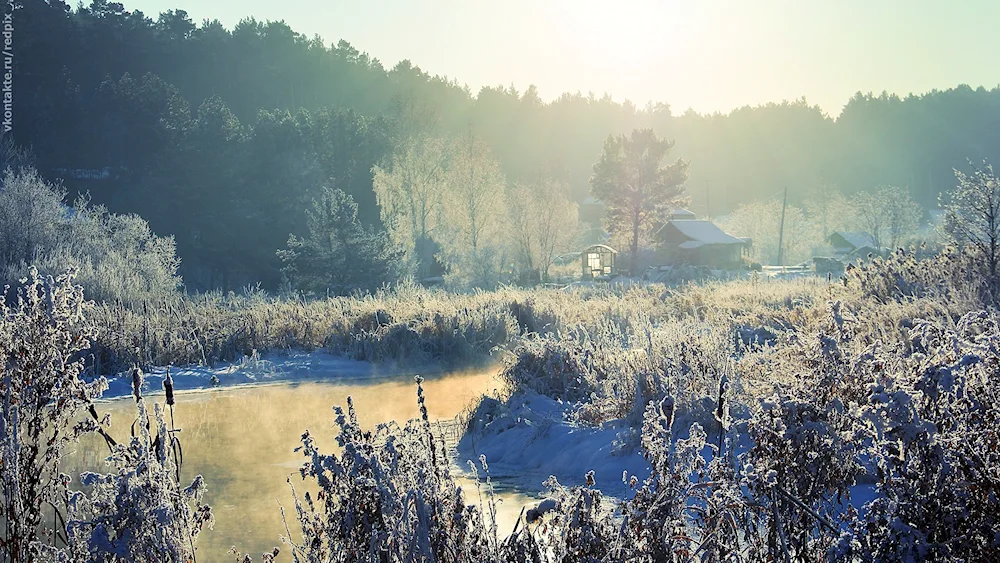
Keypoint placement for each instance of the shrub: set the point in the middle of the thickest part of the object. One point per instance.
(935, 433)
(46, 407)
(117, 257)
(388, 496)
(687, 505)
(138, 511)
(42, 331)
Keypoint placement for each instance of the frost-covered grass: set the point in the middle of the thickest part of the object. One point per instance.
(407, 325)
(759, 409)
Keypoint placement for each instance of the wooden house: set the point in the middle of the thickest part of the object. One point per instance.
(847, 244)
(699, 242)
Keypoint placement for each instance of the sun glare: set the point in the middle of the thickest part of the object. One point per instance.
(622, 45)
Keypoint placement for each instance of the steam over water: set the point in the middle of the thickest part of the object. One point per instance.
(242, 439)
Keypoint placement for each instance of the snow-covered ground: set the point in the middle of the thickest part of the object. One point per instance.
(532, 438)
(271, 368)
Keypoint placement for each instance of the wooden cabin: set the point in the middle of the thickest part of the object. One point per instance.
(846, 244)
(699, 242)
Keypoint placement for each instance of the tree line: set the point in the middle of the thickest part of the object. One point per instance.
(223, 138)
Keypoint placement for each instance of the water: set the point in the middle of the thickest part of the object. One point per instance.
(242, 439)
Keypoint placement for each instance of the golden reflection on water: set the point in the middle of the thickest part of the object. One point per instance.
(242, 439)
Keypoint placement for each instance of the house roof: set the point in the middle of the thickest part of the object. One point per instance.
(682, 214)
(702, 232)
(854, 239)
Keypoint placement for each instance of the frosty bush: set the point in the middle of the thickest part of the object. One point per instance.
(117, 257)
(935, 430)
(136, 513)
(42, 332)
(388, 496)
(955, 275)
(687, 506)
(800, 468)
(558, 368)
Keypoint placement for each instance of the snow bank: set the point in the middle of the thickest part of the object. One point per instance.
(530, 438)
(271, 368)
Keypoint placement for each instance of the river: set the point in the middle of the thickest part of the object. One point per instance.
(242, 439)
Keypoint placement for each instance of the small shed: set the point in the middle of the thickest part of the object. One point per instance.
(598, 261)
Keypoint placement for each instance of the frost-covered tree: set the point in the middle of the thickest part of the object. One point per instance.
(829, 211)
(972, 214)
(30, 214)
(888, 214)
(544, 222)
(475, 238)
(761, 222)
(410, 193)
(339, 255)
(117, 257)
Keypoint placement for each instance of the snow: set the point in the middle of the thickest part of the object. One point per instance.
(531, 438)
(271, 368)
(705, 232)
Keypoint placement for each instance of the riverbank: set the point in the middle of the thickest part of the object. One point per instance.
(271, 368)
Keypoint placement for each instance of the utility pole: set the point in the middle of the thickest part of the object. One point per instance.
(708, 204)
(781, 230)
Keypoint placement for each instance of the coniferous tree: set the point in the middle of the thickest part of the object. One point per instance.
(339, 255)
(635, 186)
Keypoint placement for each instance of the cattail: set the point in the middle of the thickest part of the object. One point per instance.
(137, 383)
(168, 386)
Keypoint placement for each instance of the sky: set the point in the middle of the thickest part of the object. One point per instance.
(707, 55)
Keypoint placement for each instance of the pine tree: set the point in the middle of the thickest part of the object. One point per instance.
(339, 255)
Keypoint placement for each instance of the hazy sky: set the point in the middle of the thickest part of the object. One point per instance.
(709, 55)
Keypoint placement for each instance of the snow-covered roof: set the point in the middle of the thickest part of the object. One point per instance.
(702, 232)
(856, 240)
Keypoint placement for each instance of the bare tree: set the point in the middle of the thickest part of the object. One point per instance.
(544, 222)
(972, 213)
(475, 241)
(14, 156)
(888, 214)
(411, 195)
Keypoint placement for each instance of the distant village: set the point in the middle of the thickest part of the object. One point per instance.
(687, 247)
